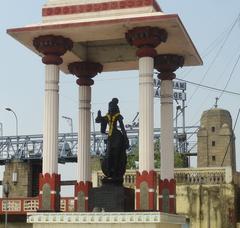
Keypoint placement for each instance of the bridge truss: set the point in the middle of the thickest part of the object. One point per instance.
(28, 147)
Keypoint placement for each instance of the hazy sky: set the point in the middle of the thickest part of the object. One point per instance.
(208, 22)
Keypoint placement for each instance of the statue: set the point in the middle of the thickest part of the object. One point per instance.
(114, 162)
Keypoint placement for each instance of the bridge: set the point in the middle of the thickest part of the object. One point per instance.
(28, 147)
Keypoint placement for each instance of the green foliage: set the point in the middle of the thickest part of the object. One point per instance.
(95, 163)
(180, 160)
(132, 157)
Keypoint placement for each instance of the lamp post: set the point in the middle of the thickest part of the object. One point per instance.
(70, 122)
(1, 129)
(10, 110)
(6, 190)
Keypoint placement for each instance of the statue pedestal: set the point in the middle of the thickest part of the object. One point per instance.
(111, 198)
(106, 220)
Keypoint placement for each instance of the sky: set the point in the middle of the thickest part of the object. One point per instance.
(213, 26)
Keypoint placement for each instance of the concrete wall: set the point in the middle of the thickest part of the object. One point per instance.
(207, 206)
(27, 174)
(23, 186)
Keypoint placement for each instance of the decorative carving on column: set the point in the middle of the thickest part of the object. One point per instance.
(85, 71)
(166, 65)
(52, 47)
(146, 39)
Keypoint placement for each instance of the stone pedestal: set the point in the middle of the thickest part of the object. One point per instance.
(111, 198)
(107, 220)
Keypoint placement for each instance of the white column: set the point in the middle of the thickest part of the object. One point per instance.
(84, 134)
(146, 149)
(166, 139)
(50, 121)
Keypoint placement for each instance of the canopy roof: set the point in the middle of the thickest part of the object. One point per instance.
(103, 39)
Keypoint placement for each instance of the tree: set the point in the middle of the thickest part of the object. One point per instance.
(180, 160)
(132, 158)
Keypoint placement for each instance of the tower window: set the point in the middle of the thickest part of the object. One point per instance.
(213, 143)
(213, 158)
(213, 129)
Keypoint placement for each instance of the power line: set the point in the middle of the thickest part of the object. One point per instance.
(230, 138)
(217, 54)
(221, 90)
(209, 87)
(194, 131)
(208, 50)
(230, 76)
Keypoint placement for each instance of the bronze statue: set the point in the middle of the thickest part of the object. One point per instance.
(114, 162)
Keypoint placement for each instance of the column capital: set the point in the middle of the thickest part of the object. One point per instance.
(53, 47)
(166, 64)
(146, 39)
(85, 71)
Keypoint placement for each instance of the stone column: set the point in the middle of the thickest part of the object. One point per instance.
(85, 71)
(146, 39)
(166, 65)
(52, 47)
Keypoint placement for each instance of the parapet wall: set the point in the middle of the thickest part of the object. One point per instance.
(186, 176)
(207, 196)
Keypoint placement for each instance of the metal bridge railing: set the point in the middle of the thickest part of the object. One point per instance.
(28, 147)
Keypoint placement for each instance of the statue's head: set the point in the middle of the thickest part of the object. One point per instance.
(113, 106)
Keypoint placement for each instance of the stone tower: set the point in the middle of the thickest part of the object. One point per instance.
(22, 177)
(216, 140)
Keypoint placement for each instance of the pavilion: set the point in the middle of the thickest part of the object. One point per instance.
(89, 37)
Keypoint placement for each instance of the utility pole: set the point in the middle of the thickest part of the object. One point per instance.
(216, 102)
(94, 133)
(70, 122)
(6, 192)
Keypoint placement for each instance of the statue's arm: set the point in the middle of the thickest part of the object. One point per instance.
(103, 120)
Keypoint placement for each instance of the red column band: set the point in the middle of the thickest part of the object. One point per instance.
(81, 194)
(149, 179)
(167, 196)
(49, 192)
